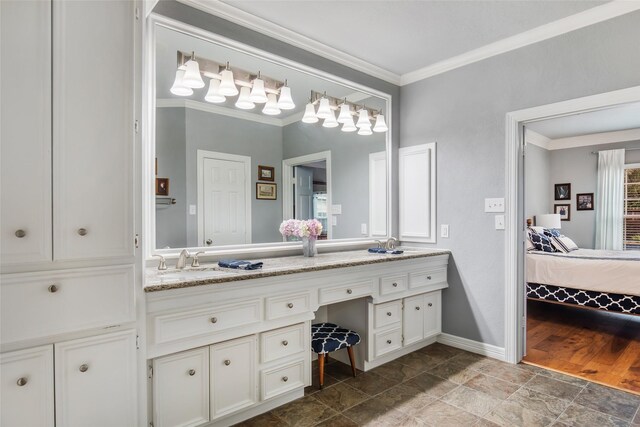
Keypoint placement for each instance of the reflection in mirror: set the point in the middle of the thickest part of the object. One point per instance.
(233, 167)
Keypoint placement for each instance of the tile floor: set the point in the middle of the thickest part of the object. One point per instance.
(443, 386)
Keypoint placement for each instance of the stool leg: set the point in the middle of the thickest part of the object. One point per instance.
(353, 365)
(321, 368)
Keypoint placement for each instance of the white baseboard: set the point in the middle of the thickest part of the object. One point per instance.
(477, 347)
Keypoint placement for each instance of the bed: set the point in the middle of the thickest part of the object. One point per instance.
(604, 280)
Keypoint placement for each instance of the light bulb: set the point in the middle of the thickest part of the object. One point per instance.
(349, 126)
(227, 85)
(380, 125)
(324, 110)
(365, 130)
(345, 114)
(330, 122)
(178, 88)
(309, 114)
(271, 107)
(192, 77)
(213, 95)
(285, 102)
(258, 95)
(243, 101)
(363, 119)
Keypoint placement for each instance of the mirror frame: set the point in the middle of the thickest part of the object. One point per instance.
(148, 137)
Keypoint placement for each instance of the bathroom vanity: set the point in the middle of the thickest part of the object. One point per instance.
(225, 345)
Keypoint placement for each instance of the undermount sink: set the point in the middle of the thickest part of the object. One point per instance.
(191, 273)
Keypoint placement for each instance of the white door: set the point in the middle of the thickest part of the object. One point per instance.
(304, 193)
(27, 388)
(225, 202)
(181, 389)
(96, 381)
(413, 319)
(94, 85)
(432, 314)
(233, 375)
(25, 134)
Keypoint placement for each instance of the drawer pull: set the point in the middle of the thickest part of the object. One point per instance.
(53, 289)
(430, 304)
(20, 234)
(388, 313)
(290, 305)
(82, 231)
(214, 320)
(192, 372)
(285, 343)
(349, 291)
(417, 307)
(388, 341)
(22, 381)
(84, 367)
(227, 362)
(428, 277)
(285, 379)
(394, 284)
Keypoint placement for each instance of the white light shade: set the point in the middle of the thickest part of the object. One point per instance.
(228, 85)
(192, 77)
(324, 110)
(381, 125)
(548, 221)
(365, 130)
(213, 95)
(285, 102)
(309, 114)
(258, 95)
(178, 88)
(330, 122)
(243, 101)
(271, 107)
(349, 126)
(345, 114)
(363, 120)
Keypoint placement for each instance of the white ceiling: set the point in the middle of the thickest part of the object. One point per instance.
(404, 36)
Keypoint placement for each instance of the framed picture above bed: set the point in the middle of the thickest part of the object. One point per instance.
(564, 211)
(584, 202)
(562, 191)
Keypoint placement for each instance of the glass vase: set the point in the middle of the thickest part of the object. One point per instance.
(309, 247)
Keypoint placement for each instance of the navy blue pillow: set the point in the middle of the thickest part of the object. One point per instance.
(551, 232)
(540, 242)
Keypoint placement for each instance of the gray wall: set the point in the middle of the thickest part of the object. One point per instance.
(349, 168)
(464, 111)
(536, 179)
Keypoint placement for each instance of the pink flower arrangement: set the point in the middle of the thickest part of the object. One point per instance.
(311, 228)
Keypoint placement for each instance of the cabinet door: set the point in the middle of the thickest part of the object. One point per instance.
(181, 389)
(432, 314)
(27, 388)
(413, 319)
(233, 375)
(93, 128)
(25, 134)
(96, 381)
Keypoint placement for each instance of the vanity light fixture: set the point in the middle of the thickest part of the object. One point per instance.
(349, 126)
(365, 130)
(363, 119)
(310, 114)
(214, 95)
(227, 84)
(381, 125)
(271, 107)
(258, 95)
(285, 102)
(345, 113)
(192, 77)
(178, 88)
(243, 102)
(330, 121)
(324, 110)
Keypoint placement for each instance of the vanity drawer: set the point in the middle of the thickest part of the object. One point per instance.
(393, 284)
(387, 341)
(426, 278)
(282, 379)
(345, 292)
(205, 320)
(287, 305)
(387, 314)
(282, 342)
(35, 305)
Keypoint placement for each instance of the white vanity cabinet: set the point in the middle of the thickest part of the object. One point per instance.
(421, 317)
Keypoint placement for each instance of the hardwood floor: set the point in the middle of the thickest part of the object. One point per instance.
(599, 346)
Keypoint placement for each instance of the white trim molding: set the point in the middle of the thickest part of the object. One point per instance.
(217, 109)
(477, 347)
(532, 137)
(595, 139)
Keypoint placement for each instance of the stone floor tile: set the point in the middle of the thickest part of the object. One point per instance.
(419, 361)
(541, 403)
(471, 400)
(610, 401)
(340, 371)
(562, 377)
(440, 351)
(559, 389)
(264, 420)
(453, 371)
(341, 396)
(432, 385)
(373, 412)
(371, 383)
(315, 382)
(307, 411)
(396, 371)
(337, 421)
(442, 414)
(405, 398)
(492, 386)
(580, 416)
(505, 372)
(513, 414)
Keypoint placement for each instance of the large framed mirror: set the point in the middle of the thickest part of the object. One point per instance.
(224, 170)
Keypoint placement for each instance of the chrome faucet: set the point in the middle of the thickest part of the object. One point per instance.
(391, 244)
(182, 259)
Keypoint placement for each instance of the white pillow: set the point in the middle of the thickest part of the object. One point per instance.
(564, 244)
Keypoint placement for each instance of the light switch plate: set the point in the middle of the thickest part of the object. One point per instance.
(336, 209)
(334, 220)
(444, 230)
(499, 219)
(363, 229)
(192, 209)
(494, 205)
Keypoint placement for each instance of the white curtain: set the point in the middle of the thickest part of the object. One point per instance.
(610, 200)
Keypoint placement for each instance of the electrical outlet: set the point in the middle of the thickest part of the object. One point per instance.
(336, 209)
(192, 209)
(363, 229)
(444, 230)
(499, 220)
(334, 220)
(494, 205)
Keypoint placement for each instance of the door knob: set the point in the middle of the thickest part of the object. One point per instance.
(209, 242)
(84, 367)
(82, 231)
(388, 313)
(394, 284)
(349, 291)
(192, 372)
(430, 304)
(22, 381)
(285, 379)
(52, 289)
(417, 307)
(214, 320)
(290, 305)
(285, 343)
(227, 362)
(20, 234)
(388, 341)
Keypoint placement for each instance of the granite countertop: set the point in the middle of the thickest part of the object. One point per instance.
(208, 274)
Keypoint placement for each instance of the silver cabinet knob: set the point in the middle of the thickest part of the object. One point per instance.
(82, 231)
(430, 304)
(285, 343)
(388, 313)
(84, 367)
(208, 242)
(417, 307)
(290, 305)
(227, 362)
(388, 341)
(20, 234)
(394, 284)
(53, 289)
(428, 277)
(349, 291)
(22, 381)
(285, 379)
(192, 372)
(214, 320)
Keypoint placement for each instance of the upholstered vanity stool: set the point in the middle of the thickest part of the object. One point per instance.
(329, 337)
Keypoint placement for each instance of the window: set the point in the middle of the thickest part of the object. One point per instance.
(631, 231)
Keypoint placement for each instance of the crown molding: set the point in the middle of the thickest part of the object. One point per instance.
(595, 139)
(268, 28)
(553, 29)
(535, 138)
(216, 109)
